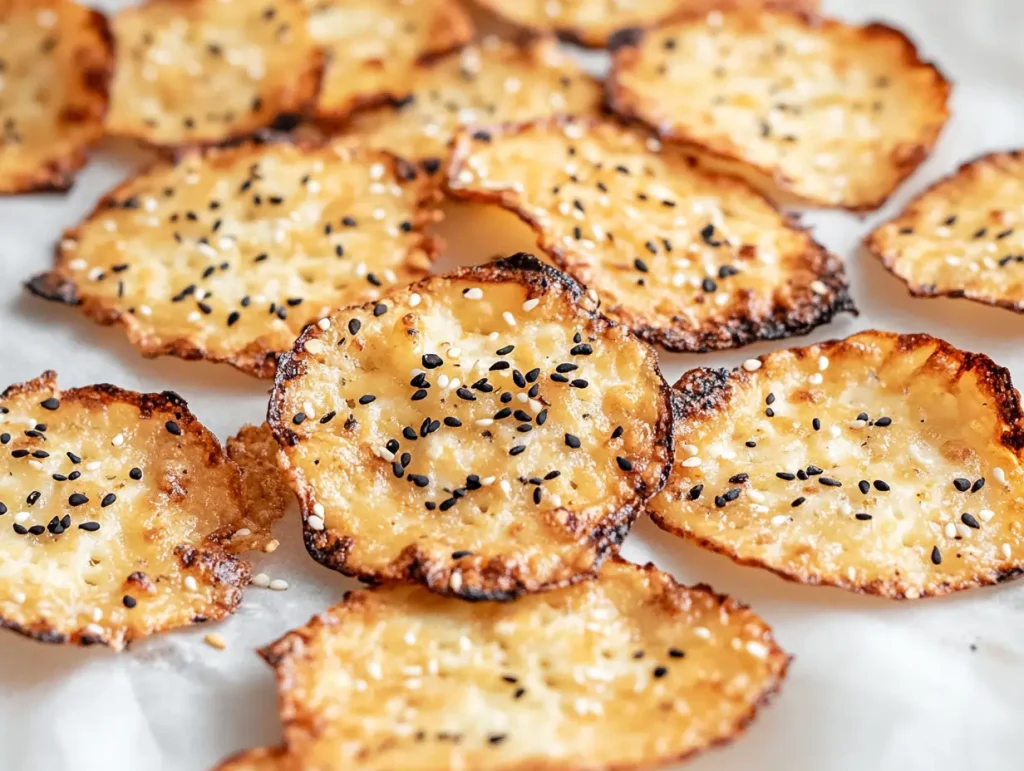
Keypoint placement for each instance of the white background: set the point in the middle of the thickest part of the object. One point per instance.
(875, 685)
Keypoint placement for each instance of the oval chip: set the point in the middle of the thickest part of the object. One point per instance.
(109, 501)
(372, 46)
(631, 670)
(483, 433)
(885, 464)
(55, 61)
(691, 260)
(826, 112)
(200, 72)
(227, 254)
(601, 23)
(493, 81)
(964, 236)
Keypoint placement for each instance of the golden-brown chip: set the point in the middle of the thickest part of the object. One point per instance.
(267, 494)
(691, 260)
(964, 236)
(55, 60)
(493, 81)
(373, 46)
(631, 670)
(885, 464)
(600, 23)
(198, 72)
(227, 254)
(260, 759)
(829, 113)
(486, 433)
(108, 503)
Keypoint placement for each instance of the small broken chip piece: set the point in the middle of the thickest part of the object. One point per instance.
(490, 82)
(817, 110)
(885, 464)
(227, 254)
(486, 433)
(55, 62)
(202, 72)
(373, 46)
(694, 261)
(604, 23)
(631, 670)
(108, 503)
(964, 236)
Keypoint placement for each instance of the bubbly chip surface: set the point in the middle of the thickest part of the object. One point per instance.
(55, 61)
(483, 433)
(886, 464)
(964, 237)
(373, 46)
(691, 260)
(631, 670)
(595, 22)
(832, 114)
(493, 81)
(108, 501)
(227, 254)
(197, 72)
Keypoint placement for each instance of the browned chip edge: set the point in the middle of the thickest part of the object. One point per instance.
(495, 581)
(296, 645)
(702, 392)
(58, 175)
(905, 158)
(256, 359)
(786, 320)
(872, 241)
(218, 565)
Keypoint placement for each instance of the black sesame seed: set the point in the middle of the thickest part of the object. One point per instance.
(738, 479)
(129, 602)
(32, 498)
(617, 432)
(750, 443)
(770, 412)
(882, 486)
(448, 503)
(816, 424)
(498, 366)
(328, 417)
(862, 516)
(579, 383)
(91, 527)
(398, 469)
(558, 378)
(660, 672)
(108, 500)
(785, 475)
(970, 521)
(864, 486)
(410, 433)
(466, 394)
(813, 470)
(77, 499)
(51, 404)
(830, 482)
(172, 428)
(799, 501)
(732, 494)
(457, 555)
(675, 653)
(420, 394)
(624, 463)
(695, 492)
(517, 449)
(19, 454)
(505, 351)
(770, 399)
(709, 285)
(572, 441)
(299, 419)
(39, 530)
(980, 483)
(936, 556)
(542, 417)
(432, 361)
(136, 474)
(532, 375)
(961, 484)
(5, 438)
(354, 325)
(367, 399)
(583, 349)
(883, 422)
(20, 529)
(452, 422)
(537, 493)
(419, 480)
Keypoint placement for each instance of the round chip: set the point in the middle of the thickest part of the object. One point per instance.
(964, 236)
(199, 72)
(828, 113)
(373, 46)
(484, 433)
(601, 23)
(493, 81)
(109, 500)
(885, 464)
(631, 670)
(227, 254)
(55, 61)
(691, 260)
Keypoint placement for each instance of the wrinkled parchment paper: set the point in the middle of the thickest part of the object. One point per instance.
(875, 686)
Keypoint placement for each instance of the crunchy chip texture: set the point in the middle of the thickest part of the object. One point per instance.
(631, 670)
(55, 60)
(196, 72)
(600, 23)
(691, 260)
(227, 254)
(267, 494)
(483, 433)
(108, 499)
(373, 46)
(964, 237)
(819, 110)
(493, 81)
(885, 464)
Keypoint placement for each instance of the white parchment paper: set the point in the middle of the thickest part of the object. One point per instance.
(875, 686)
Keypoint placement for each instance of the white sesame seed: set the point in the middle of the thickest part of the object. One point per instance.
(191, 584)
(835, 431)
(522, 397)
(385, 454)
(97, 614)
(509, 318)
(454, 353)
(756, 496)
(690, 449)
(999, 474)
(414, 300)
(487, 481)
(18, 597)
(118, 440)
(529, 305)
(823, 363)
(242, 532)
(324, 324)
(92, 465)
(473, 293)
(484, 422)
(535, 406)
(315, 522)
(818, 287)
(21, 516)
(442, 380)
(752, 365)
(318, 509)
(261, 580)
(963, 530)
(455, 582)
(278, 585)
(314, 346)
(1006, 550)
(912, 593)
(94, 629)
(757, 649)
(691, 462)
(815, 379)
(505, 487)
(986, 514)
(949, 530)
(855, 424)
(779, 519)
(215, 640)
(78, 264)
(454, 383)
